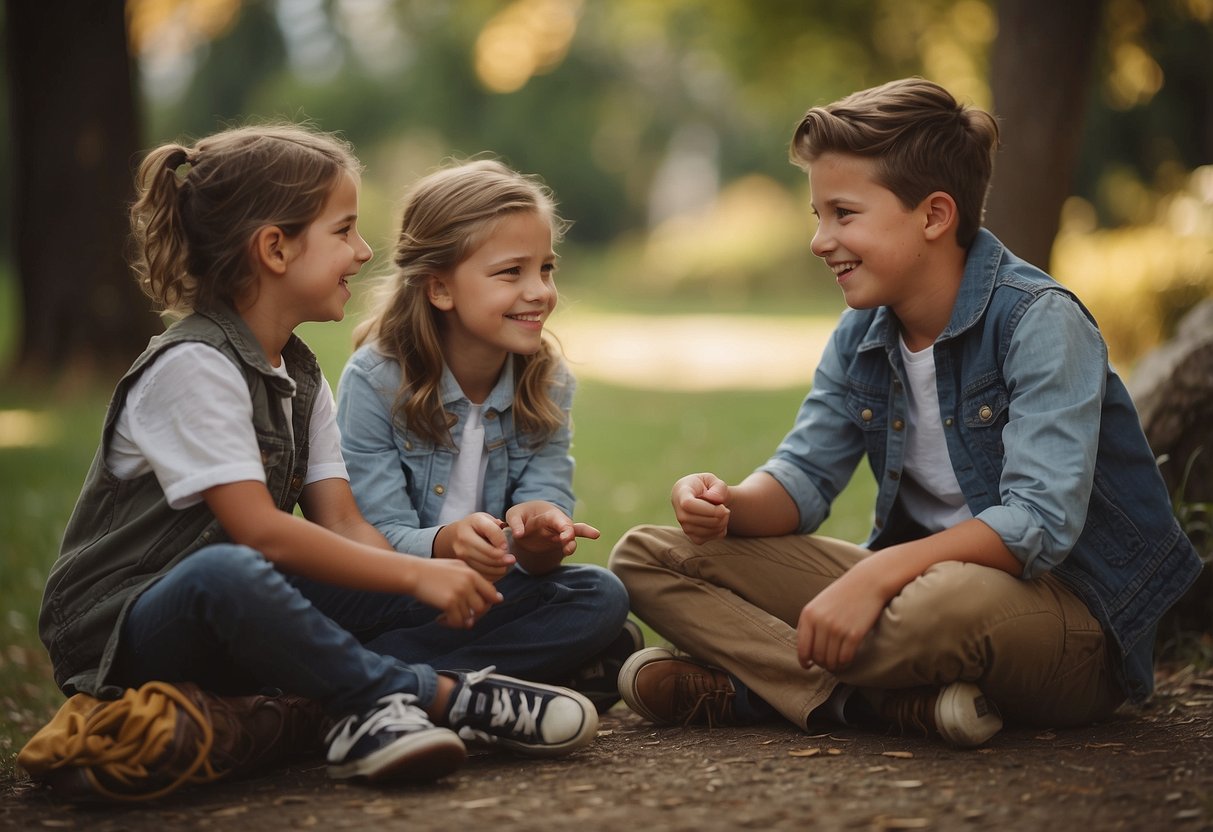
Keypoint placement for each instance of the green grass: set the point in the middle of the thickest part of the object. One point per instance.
(630, 446)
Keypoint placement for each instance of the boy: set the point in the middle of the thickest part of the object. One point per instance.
(1023, 546)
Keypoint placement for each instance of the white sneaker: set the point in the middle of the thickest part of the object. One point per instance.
(959, 712)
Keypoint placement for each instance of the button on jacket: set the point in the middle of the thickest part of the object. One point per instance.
(400, 479)
(1041, 433)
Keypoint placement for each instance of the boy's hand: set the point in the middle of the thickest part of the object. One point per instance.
(544, 535)
(455, 589)
(833, 624)
(478, 541)
(700, 505)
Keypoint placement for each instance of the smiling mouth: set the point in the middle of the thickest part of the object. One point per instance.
(528, 317)
(842, 269)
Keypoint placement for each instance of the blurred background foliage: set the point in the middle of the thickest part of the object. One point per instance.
(663, 126)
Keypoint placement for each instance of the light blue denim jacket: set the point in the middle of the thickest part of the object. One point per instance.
(399, 479)
(1042, 435)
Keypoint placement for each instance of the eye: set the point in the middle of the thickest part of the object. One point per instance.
(512, 271)
(344, 230)
(548, 269)
(842, 213)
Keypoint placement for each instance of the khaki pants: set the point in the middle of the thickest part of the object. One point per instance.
(1031, 646)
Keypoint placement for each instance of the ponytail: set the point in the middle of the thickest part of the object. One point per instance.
(158, 230)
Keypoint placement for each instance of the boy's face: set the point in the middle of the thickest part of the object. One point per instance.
(872, 243)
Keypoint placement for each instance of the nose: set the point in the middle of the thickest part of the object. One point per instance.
(538, 287)
(362, 250)
(822, 242)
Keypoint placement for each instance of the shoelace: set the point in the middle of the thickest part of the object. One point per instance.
(911, 711)
(701, 693)
(502, 708)
(399, 713)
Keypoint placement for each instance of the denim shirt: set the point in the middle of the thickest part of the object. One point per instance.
(1042, 436)
(399, 479)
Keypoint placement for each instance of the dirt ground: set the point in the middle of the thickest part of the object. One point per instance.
(1148, 769)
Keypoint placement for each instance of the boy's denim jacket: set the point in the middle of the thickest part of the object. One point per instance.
(399, 479)
(1043, 437)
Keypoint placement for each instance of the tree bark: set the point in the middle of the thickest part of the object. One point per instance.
(75, 138)
(1039, 75)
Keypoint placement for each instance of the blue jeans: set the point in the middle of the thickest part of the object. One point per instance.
(545, 628)
(227, 620)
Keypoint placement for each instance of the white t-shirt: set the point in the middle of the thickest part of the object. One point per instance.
(465, 488)
(189, 419)
(929, 490)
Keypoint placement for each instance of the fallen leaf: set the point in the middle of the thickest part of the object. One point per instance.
(581, 787)
(902, 823)
(804, 752)
(901, 755)
(480, 803)
(907, 784)
(229, 811)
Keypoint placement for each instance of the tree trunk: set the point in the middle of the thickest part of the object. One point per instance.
(1040, 73)
(75, 138)
(1173, 390)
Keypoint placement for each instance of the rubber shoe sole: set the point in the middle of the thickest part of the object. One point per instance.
(964, 716)
(627, 680)
(421, 757)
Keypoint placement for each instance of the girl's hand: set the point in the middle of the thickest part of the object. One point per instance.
(701, 506)
(833, 625)
(544, 535)
(478, 541)
(455, 589)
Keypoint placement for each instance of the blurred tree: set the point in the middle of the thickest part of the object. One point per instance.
(1040, 78)
(75, 135)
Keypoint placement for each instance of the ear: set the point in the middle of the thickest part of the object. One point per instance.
(271, 249)
(438, 293)
(939, 214)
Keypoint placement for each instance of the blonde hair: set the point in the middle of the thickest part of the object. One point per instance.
(921, 139)
(447, 216)
(197, 208)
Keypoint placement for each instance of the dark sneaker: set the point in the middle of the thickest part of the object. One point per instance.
(527, 717)
(393, 741)
(598, 680)
(677, 690)
(960, 713)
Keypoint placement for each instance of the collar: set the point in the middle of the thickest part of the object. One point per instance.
(976, 288)
(500, 398)
(245, 343)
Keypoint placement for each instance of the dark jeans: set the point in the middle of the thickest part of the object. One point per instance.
(227, 620)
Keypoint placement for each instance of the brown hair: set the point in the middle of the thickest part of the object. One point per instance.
(197, 208)
(447, 216)
(922, 140)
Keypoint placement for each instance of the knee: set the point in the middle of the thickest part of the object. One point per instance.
(639, 549)
(609, 596)
(949, 598)
(227, 571)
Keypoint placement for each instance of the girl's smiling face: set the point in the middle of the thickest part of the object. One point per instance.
(327, 254)
(496, 300)
(868, 238)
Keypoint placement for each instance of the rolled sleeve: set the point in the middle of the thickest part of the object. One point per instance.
(816, 459)
(1056, 372)
(368, 443)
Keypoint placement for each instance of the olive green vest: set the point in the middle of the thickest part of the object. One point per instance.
(122, 535)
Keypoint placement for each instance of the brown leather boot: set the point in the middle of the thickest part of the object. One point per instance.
(676, 690)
